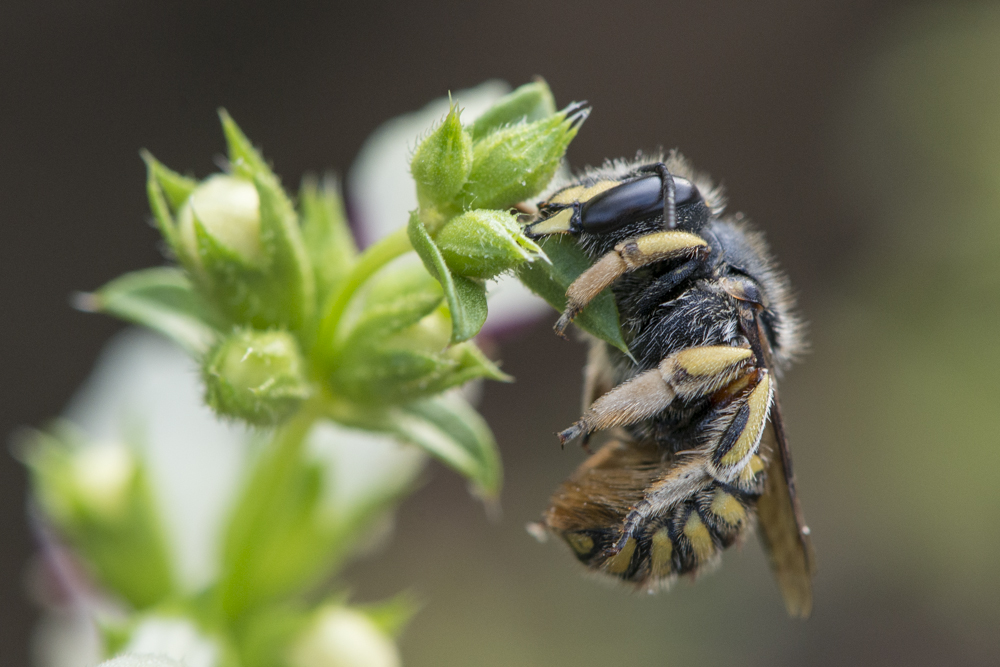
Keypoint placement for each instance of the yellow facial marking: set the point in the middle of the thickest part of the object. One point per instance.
(618, 564)
(665, 243)
(758, 402)
(727, 508)
(557, 224)
(662, 550)
(580, 543)
(711, 360)
(582, 193)
(701, 541)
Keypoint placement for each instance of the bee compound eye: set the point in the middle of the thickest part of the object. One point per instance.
(621, 205)
(685, 191)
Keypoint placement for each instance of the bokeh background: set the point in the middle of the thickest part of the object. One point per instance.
(863, 136)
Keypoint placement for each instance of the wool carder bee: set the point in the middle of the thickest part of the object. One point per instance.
(699, 452)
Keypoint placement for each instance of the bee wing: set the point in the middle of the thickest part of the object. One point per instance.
(782, 528)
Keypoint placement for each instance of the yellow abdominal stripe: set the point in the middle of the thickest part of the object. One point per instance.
(701, 540)
(662, 550)
(758, 403)
(618, 564)
(580, 543)
(727, 508)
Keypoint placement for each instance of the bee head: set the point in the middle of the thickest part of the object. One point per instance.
(609, 212)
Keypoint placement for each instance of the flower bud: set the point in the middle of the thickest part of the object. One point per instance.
(342, 637)
(517, 162)
(227, 210)
(484, 243)
(442, 162)
(98, 497)
(257, 376)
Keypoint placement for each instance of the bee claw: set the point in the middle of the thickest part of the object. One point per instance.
(561, 324)
(570, 434)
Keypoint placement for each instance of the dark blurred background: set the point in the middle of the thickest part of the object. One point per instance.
(863, 136)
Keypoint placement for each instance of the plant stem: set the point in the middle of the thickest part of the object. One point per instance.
(370, 261)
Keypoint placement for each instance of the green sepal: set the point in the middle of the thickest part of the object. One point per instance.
(466, 297)
(161, 211)
(326, 233)
(444, 426)
(530, 102)
(161, 299)
(176, 187)
(484, 243)
(289, 266)
(114, 525)
(516, 162)
(442, 162)
(550, 281)
(245, 160)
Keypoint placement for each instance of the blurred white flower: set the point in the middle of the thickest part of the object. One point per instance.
(175, 638)
(341, 637)
(381, 193)
(138, 660)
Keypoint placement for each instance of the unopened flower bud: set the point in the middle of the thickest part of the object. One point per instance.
(257, 376)
(341, 637)
(228, 210)
(484, 243)
(442, 162)
(518, 161)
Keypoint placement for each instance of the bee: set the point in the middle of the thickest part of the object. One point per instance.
(698, 454)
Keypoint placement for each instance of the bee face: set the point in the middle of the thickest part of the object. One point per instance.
(700, 452)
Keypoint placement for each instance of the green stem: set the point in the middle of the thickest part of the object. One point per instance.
(370, 261)
(251, 520)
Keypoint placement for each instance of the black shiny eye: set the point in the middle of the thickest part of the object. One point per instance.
(622, 205)
(684, 191)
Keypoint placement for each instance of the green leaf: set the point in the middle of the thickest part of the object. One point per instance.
(392, 615)
(517, 162)
(449, 429)
(532, 101)
(550, 281)
(442, 162)
(161, 299)
(326, 233)
(446, 427)
(466, 297)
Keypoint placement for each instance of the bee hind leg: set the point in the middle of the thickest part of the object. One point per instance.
(691, 373)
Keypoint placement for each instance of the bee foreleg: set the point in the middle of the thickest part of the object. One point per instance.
(691, 373)
(627, 256)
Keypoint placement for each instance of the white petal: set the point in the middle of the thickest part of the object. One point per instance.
(66, 639)
(145, 388)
